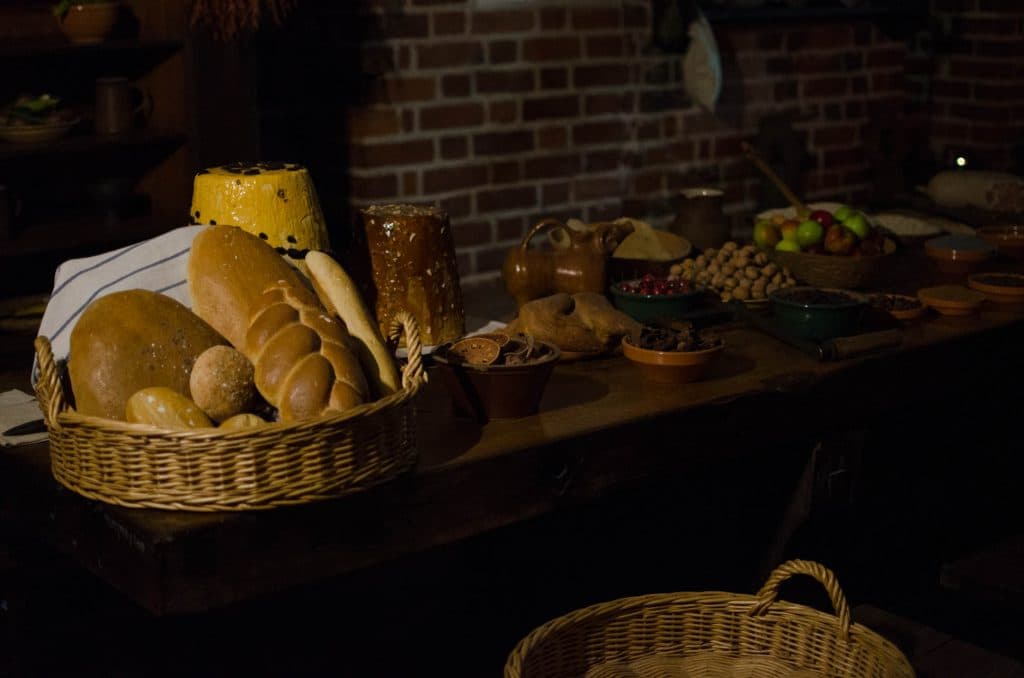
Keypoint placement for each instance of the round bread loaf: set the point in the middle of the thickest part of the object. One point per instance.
(222, 383)
(130, 340)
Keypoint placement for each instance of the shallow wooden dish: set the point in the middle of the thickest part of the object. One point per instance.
(1002, 288)
(952, 300)
(671, 367)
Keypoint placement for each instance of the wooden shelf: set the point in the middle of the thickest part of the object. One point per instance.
(86, 235)
(57, 47)
(92, 144)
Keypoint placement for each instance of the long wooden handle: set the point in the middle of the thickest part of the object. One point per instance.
(801, 208)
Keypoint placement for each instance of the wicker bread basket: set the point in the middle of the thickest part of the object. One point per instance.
(710, 634)
(279, 464)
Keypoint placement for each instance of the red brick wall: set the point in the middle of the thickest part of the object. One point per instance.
(970, 80)
(507, 116)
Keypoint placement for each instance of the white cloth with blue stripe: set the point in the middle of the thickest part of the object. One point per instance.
(158, 264)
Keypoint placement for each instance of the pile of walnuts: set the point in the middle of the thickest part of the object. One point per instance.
(734, 272)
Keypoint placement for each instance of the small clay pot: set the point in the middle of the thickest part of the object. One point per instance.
(90, 23)
(486, 392)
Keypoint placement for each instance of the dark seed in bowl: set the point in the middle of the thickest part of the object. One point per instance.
(687, 339)
(894, 302)
(1001, 280)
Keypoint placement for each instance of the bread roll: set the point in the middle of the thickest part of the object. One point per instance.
(304, 366)
(994, 191)
(222, 383)
(228, 269)
(408, 255)
(340, 296)
(166, 408)
(126, 341)
(240, 421)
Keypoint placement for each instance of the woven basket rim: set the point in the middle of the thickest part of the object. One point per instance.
(762, 607)
(95, 422)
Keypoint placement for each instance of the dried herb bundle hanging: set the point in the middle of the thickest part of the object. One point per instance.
(228, 20)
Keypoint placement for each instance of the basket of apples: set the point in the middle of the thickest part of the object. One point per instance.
(825, 244)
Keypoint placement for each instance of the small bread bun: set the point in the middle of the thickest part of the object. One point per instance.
(222, 383)
(166, 408)
(239, 421)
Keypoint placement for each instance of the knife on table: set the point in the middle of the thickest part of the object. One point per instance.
(34, 426)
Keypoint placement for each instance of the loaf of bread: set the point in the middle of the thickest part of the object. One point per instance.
(340, 296)
(130, 340)
(166, 408)
(585, 322)
(228, 269)
(304, 364)
(404, 256)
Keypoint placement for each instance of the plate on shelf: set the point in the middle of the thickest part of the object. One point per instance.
(36, 134)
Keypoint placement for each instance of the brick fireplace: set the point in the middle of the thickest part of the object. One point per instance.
(561, 109)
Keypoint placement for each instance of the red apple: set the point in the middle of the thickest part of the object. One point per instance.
(823, 217)
(839, 240)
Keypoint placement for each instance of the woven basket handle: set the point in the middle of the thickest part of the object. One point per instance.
(413, 372)
(49, 391)
(770, 591)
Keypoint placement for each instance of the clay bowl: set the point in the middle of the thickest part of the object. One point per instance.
(1008, 240)
(958, 254)
(838, 314)
(650, 308)
(487, 392)
(886, 302)
(952, 300)
(1001, 288)
(671, 367)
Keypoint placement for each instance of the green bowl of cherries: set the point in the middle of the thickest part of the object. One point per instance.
(650, 298)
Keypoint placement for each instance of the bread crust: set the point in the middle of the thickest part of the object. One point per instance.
(304, 365)
(341, 297)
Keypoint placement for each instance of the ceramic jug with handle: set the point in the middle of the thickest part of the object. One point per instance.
(580, 266)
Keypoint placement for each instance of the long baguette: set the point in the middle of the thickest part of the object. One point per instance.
(338, 293)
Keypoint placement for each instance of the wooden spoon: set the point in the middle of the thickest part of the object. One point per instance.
(801, 209)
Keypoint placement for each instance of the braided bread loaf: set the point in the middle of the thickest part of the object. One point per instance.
(304, 364)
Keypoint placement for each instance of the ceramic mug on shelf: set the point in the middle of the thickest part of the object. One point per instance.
(119, 105)
(699, 217)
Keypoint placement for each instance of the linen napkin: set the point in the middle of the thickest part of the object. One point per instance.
(158, 264)
(18, 407)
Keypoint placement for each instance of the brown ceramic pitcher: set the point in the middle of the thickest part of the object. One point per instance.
(581, 266)
(699, 217)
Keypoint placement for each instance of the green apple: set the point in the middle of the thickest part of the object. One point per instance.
(766, 234)
(858, 224)
(843, 212)
(809, 232)
(787, 246)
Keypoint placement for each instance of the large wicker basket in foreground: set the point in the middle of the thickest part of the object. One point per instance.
(209, 470)
(710, 634)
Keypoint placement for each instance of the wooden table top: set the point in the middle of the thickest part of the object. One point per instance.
(601, 426)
